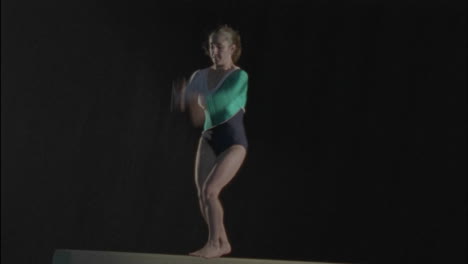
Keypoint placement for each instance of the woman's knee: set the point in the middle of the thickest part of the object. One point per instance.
(201, 196)
(211, 192)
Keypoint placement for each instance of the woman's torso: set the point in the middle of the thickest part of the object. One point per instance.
(232, 130)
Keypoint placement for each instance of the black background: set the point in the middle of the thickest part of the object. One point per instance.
(356, 118)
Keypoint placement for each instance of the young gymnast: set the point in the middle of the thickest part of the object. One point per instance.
(216, 97)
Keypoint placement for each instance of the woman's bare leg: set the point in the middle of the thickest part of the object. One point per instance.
(203, 166)
(224, 170)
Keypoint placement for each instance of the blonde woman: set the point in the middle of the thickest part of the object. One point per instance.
(216, 97)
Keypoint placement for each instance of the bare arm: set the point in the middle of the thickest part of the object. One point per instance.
(197, 113)
(183, 99)
(178, 95)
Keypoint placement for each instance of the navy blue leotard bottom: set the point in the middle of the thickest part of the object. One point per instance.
(229, 133)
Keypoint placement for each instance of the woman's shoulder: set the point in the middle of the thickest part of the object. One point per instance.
(240, 73)
(196, 74)
(237, 78)
(200, 72)
(203, 70)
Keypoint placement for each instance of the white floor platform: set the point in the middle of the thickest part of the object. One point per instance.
(68, 256)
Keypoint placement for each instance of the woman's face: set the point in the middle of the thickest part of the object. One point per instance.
(221, 50)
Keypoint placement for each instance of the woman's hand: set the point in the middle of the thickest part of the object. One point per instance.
(197, 113)
(178, 99)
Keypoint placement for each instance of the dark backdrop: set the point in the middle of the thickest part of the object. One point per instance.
(356, 120)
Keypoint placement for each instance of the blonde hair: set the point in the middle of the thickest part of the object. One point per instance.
(233, 37)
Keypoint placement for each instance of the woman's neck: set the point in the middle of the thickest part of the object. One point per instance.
(224, 67)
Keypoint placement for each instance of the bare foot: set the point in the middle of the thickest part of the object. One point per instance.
(213, 250)
(226, 246)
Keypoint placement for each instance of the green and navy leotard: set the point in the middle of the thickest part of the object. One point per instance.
(224, 108)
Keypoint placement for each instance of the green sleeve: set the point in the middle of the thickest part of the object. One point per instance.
(230, 97)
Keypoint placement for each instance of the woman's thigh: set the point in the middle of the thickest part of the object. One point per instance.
(226, 167)
(204, 163)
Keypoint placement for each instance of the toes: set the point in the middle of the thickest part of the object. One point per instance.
(215, 254)
(211, 256)
(209, 253)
